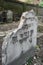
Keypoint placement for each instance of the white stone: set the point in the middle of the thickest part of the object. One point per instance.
(34, 57)
(35, 64)
(22, 38)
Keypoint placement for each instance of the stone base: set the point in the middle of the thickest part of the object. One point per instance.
(23, 58)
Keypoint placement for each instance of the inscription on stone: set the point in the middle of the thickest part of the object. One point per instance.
(21, 39)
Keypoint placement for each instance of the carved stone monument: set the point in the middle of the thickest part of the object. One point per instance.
(19, 45)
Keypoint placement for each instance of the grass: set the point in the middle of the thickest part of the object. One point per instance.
(30, 61)
(40, 28)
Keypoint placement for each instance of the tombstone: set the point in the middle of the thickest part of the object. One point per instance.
(9, 16)
(20, 44)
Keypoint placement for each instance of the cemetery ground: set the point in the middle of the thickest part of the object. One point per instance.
(8, 27)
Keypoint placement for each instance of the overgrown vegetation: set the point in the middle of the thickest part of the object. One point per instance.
(16, 7)
(40, 28)
(30, 61)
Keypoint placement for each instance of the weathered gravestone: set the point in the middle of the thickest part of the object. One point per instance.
(19, 45)
(9, 16)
